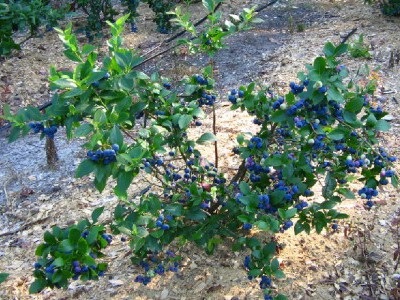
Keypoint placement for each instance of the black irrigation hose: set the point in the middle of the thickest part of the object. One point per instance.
(353, 31)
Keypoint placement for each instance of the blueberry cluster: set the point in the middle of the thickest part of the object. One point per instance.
(36, 126)
(384, 174)
(265, 282)
(255, 142)
(105, 156)
(156, 161)
(295, 107)
(50, 131)
(145, 280)
(335, 226)
(376, 110)
(167, 85)
(295, 88)
(234, 95)
(286, 225)
(352, 164)
(161, 263)
(78, 269)
(247, 262)
(301, 205)
(299, 122)
(207, 99)
(134, 27)
(107, 237)
(39, 127)
(323, 89)
(277, 104)
(161, 221)
(367, 193)
(247, 226)
(201, 80)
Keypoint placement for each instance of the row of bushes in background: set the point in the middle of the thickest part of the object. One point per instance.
(17, 15)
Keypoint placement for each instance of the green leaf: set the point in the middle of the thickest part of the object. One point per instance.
(100, 116)
(95, 76)
(382, 125)
(157, 234)
(184, 121)
(354, 105)
(290, 213)
(371, 120)
(84, 130)
(116, 136)
(320, 65)
(83, 246)
(72, 55)
(74, 235)
(341, 49)
(85, 168)
(65, 83)
(350, 117)
(335, 95)
(395, 181)
(86, 49)
(37, 286)
(245, 188)
(336, 135)
(329, 187)
(124, 180)
(280, 297)
(126, 82)
(209, 5)
(58, 262)
(298, 227)
(262, 225)
(65, 246)
(274, 265)
(346, 193)
(279, 116)
(49, 238)
(206, 138)
(329, 49)
(243, 218)
(3, 277)
(14, 134)
(93, 233)
(97, 213)
(127, 60)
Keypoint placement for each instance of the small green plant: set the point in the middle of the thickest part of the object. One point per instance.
(71, 253)
(359, 49)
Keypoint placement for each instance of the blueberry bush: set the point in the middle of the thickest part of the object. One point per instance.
(322, 131)
(18, 15)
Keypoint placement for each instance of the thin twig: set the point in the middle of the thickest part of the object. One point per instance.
(215, 134)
